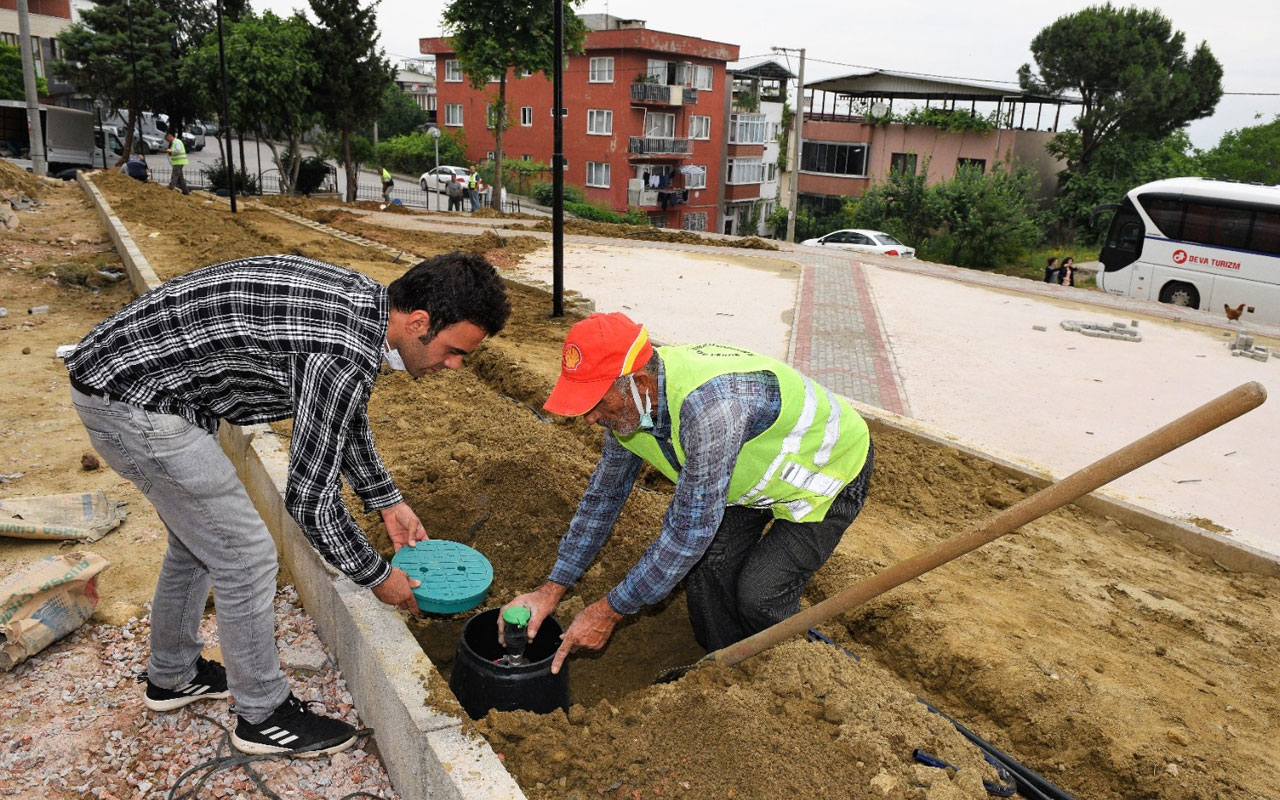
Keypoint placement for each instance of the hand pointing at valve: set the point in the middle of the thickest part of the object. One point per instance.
(590, 631)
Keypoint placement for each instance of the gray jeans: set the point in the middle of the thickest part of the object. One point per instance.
(748, 580)
(176, 179)
(216, 538)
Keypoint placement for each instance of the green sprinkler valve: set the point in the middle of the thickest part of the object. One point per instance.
(515, 635)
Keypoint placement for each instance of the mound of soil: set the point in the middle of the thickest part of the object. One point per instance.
(584, 227)
(15, 181)
(1113, 664)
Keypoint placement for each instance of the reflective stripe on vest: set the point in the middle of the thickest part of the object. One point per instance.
(799, 464)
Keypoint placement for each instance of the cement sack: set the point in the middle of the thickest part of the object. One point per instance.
(44, 601)
(87, 516)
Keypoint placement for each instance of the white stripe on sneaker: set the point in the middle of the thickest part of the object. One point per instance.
(289, 740)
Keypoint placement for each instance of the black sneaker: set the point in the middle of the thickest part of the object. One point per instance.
(295, 730)
(210, 683)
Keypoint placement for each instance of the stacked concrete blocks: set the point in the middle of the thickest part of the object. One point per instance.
(1244, 346)
(1116, 330)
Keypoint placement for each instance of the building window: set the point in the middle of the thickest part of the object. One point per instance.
(695, 221)
(490, 114)
(747, 128)
(526, 157)
(903, 162)
(598, 174)
(832, 158)
(659, 126)
(699, 127)
(979, 164)
(601, 70)
(699, 181)
(771, 171)
(526, 116)
(744, 170)
(489, 155)
(702, 77)
(600, 122)
(564, 112)
(453, 114)
(658, 220)
(453, 71)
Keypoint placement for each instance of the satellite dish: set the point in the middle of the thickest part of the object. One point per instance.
(879, 109)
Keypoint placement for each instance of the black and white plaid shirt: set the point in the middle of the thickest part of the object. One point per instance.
(258, 340)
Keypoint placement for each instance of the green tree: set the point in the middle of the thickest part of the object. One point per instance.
(190, 22)
(904, 205)
(11, 87)
(272, 74)
(400, 114)
(985, 220)
(120, 52)
(494, 36)
(1118, 165)
(354, 73)
(1247, 154)
(1131, 71)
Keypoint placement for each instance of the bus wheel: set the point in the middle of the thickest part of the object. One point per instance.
(1180, 294)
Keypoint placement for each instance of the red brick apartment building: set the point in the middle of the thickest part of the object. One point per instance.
(643, 126)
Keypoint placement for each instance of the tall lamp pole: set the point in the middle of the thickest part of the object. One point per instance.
(435, 134)
(38, 165)
(226, 111)
(795, 158)
(557, 166)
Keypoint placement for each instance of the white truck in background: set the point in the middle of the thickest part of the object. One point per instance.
(70, 143)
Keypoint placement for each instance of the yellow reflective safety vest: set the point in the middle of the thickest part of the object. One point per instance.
(177, 152)
(798, 465)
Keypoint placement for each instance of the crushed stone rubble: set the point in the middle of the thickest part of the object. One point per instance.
(74, 725)
(1116, 330)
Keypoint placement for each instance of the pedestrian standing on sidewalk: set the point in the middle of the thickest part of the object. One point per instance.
(250, 341)
(453, 190)
(473, 189)
(177, 161)
(749, 442)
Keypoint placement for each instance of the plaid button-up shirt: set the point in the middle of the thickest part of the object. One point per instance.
(716, 419)
(258, 340)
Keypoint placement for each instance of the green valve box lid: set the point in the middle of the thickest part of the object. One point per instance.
(453, 577)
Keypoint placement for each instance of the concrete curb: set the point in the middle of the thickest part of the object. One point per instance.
(427, 754)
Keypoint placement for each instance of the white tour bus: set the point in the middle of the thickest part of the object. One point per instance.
(1199, 243)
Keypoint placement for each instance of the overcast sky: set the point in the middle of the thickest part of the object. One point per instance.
(987, 41)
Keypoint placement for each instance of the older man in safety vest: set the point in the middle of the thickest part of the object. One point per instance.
(747, 440)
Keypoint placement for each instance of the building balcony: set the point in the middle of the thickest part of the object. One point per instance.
(662, 95)
(658, 146)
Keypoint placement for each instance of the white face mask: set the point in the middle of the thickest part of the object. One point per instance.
(392, 357)
(646, 416)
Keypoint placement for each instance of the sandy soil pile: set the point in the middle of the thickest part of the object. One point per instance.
(1112, 664)
(15, 181)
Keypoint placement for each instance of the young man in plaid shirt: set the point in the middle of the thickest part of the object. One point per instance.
(251, 341)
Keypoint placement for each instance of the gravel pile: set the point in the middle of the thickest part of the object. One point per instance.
(72, 723)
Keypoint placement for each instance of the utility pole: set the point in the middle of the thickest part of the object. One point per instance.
(557, 166)
(226, 114)
(38, 165)
(798, 119)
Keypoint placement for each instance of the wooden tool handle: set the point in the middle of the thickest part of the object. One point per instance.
(1216, 412)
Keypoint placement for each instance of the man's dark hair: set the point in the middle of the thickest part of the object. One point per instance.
(453, 287)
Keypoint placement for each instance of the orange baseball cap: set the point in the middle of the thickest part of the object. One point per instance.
(598, 350)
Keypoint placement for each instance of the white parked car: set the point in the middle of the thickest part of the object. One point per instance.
(435, 180)
(864, 241)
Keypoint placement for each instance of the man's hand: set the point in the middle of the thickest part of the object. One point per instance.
(403, 526)
(397, 591)
(541, 602)
(590, 631)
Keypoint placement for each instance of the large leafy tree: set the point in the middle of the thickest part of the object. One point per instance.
(1247, 154)
(121, 51)
(272, 74)
(492, 37)
(11, 87)
(1132, 73)
(400, 114)
(353, 74)
(191, 21)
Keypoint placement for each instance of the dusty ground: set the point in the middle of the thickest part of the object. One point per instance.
(1114, 665)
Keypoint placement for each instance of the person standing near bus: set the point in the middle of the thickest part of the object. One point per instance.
(177, 160)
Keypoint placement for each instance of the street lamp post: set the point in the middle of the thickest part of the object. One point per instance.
(434, 132)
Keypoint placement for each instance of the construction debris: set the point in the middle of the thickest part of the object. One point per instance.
(1116, 330)
(44, 601)
(1244, 346)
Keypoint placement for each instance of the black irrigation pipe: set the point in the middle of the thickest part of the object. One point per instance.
(1030, 785)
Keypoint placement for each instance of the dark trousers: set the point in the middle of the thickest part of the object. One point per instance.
(748, 579)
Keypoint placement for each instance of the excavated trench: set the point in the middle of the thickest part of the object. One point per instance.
(1113, 664)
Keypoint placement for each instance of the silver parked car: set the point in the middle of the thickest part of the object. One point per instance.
(435, 180)
(865, 241)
